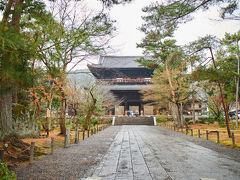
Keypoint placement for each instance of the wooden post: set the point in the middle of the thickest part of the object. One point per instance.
(94, 130)
(233, 140)
(1, 154)
(88, 133)
(191, 132)
(76, 135)
(97, 128)
(67, 137)
(91, 132)
(52, 145)
(83, 134)
(186, 130)
(65, 140)
(199, 133)
(32, 152)
(218, 137)
(207, 134)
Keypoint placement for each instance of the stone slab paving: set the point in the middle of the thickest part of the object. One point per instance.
(145, 153)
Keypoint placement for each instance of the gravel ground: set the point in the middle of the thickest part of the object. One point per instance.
(234, 153)
(72, 162)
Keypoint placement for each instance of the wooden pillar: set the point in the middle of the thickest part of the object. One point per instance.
(83, 134)
(52, 145)
(76, 136)
(207, 134)
(32, 152)
(218, 137)
(199, 133)
(233, 140)
(1, 154)
(67, 137)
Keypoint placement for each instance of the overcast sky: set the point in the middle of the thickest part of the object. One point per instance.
(128, 19)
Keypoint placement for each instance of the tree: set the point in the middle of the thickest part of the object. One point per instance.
(220, 72)
(233, 52)
(163, 19)
(17, 50)
(160, 47)
(180, 11)
(69, 39)
(161, 92)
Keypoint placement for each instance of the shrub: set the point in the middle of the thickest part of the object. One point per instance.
(5, 173)
(221, 121)
(210, 120)
(80, 120)
(95, 121)
(161, 118)
(187, 121)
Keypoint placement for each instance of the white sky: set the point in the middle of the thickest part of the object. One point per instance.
(128, 18)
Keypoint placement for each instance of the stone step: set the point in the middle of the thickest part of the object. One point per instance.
(134, 121)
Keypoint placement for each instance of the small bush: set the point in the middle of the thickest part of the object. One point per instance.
(161, 118)
(95, 122)
(107, 120)
(210, 120)
(5, 173)
(80, 120)
(221, 121)
(187, 121)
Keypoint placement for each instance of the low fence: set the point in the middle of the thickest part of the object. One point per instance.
(66, 142)
(202, 133)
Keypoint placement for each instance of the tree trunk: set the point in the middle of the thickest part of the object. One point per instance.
(173, 94)
(63, 114)
(13, 10)
(193, 100)
(237, 87)
(193, 104)
(6, 115)
(222, 98)
(90, 112)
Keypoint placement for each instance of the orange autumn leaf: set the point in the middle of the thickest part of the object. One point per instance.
(49, 98)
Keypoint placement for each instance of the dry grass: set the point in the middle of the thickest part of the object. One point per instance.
(42, 144)
(223, 135)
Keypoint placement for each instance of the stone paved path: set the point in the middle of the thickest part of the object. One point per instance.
(146, 152)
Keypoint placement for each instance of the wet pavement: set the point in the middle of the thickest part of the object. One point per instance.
(148, 152)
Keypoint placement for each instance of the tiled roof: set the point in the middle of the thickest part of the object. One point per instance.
(118, 62)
